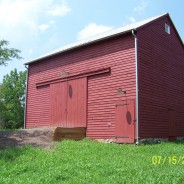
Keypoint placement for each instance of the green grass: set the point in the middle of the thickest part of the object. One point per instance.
(91, 162)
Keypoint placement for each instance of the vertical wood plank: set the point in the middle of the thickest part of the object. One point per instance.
(58, 96)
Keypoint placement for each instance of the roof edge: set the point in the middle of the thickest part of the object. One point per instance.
(178, 35)
(100, 37)
(76, 46)
(164, 15)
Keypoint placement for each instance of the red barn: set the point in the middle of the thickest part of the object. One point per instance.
(126, 84)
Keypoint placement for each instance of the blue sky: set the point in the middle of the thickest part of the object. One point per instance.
(37, 27)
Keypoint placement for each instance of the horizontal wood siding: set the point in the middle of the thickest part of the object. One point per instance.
(161, 79)
(38, 106)
(117, 53)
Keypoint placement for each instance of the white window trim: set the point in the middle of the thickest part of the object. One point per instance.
(167, 28)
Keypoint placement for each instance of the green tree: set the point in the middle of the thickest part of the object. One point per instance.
(7, 54)
(12, 100)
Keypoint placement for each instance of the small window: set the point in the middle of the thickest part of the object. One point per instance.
(167, 29)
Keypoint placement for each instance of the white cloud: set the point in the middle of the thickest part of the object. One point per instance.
(20, 19)
(59, 10)
(15, 12)
(43, 27)
(92, 29)
(51, 22)
(30, 51)
(131, 19)
(142, 6)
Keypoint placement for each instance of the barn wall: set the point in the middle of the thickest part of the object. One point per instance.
(161, 79)
(117, 53)
(38, 106)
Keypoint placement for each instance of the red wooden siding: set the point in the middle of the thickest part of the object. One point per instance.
(161, 76)
(38, 106)
(117, 53)
(172, 123)
(79, 88)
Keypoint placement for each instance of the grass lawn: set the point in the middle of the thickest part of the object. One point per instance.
(92, 162)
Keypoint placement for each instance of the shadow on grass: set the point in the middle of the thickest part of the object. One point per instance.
(14, 144)
(178, 142)
(148, 142)
(11, 154)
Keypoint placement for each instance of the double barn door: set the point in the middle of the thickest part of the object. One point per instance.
(68, 103)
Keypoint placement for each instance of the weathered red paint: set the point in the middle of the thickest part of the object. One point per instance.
(172, 123)
(58, 104)
(76, 103)
(82, 74)
(125, 121)
(161, 74)
(68, 103)
(102, 83)
(95, 72)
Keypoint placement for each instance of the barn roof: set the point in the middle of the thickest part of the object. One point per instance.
(102, 36)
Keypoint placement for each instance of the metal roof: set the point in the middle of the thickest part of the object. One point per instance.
(98, 37)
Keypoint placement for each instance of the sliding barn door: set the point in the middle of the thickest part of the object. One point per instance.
(68, 103)
(58, 105)
(77, 96)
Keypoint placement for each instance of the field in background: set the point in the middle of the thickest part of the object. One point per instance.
(93, 162)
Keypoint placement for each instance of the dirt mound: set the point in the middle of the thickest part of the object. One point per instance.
(35, 137)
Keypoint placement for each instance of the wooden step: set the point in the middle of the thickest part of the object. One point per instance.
(61, 133)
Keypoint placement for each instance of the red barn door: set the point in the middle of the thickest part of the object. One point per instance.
(76, 103)
(58, 96)
(68, 103)
(172, 125)
(125, 120)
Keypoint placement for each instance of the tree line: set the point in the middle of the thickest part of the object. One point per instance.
(12, 91)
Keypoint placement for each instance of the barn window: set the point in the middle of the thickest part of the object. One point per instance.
(167, 28)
